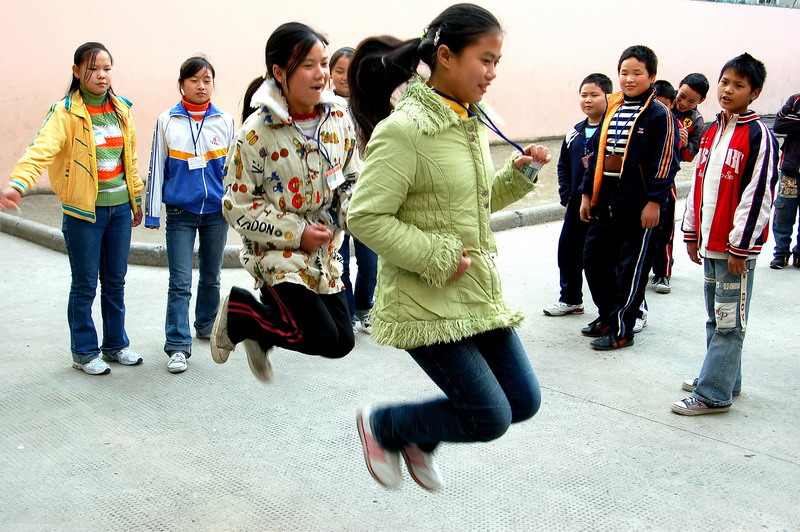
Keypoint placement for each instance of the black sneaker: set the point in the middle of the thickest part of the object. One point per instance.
(796, 261)
(779, 262)
(610, 341)
(595, 329)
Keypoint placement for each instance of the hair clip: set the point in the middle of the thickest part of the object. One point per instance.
(436, 37)
(424, 34)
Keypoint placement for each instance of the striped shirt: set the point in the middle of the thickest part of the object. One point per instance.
(619, 130)
(111, 187)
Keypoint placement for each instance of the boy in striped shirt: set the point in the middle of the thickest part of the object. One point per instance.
(627, 182)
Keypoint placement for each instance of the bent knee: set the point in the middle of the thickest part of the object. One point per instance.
(490, 426)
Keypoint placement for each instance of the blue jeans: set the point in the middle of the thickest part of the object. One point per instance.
(360, 300)
(786, 210)
(182, 226)
(489, 384)
(97, 250)
(728, 306)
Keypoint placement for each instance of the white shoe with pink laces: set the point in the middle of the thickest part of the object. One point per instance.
(383, 465)
(422, 468)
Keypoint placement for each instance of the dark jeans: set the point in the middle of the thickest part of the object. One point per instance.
(488, 382)
(662, 257)
(570, 256)
(359, 300)
(293, 317)
(97, 250)
(785, 215)
(617, 259)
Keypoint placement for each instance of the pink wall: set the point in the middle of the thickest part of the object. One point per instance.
(550, 46)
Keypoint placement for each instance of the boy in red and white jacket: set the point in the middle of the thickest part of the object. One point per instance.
(726, 224)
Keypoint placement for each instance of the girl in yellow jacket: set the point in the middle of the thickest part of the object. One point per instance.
(88, 146)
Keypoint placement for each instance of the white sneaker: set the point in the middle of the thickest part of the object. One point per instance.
(561, 308)
(366, 323)
(177, 362)
(422, 468)
(258, 360)
(383, 465)
(95, 366)
(221, 345)
(124, 356)
(640, 324)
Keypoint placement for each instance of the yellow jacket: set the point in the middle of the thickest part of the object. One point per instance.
(65, 147)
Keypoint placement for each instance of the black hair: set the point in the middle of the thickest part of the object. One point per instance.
(664, 89)
(194, 65)
(643, 54)
(87, 53)
(345, 52)
(697, 82)
(381, 64)
(601, 80)
(287, 47)
(748, 67)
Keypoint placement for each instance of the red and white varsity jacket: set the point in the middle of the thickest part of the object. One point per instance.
(728, 208)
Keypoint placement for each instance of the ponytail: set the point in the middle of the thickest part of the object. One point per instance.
(248, 97)
(378, 66)
(381, 64)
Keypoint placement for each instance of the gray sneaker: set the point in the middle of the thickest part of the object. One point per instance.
(662, 285)
(95, 366)
(177, 362)
(221, 345)
(366, 323)
(125, 356)
(258, 360)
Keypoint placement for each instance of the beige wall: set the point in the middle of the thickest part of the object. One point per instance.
(549, 47)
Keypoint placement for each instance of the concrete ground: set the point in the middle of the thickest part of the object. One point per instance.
(215, 449)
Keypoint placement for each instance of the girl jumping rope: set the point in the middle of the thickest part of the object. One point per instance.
(423, 203)
(88, 146)
(186, 171)
(287, 186)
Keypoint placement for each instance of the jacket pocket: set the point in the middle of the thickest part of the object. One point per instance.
(64, 186)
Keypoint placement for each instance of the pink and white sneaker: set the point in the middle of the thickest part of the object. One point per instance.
(422, 468)
(383, 465)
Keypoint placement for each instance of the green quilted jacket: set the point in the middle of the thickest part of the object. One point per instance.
(426, 191)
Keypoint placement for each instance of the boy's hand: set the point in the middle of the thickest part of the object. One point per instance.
(651, 214)
(684, 135)
(533, 153)
(586, 208)
(463, 265)
(736, 265)
(691, 249)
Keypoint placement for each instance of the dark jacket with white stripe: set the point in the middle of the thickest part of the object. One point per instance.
(649, 163)
(570, 165)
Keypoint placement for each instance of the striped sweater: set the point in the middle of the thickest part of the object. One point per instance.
(111, 187)
(649, 158)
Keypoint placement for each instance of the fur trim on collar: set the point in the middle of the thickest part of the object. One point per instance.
(429, 112)
(270, 97)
